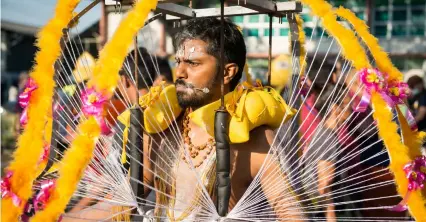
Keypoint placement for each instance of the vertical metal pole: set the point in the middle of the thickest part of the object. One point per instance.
(222, 59)
(103, 26)
(294, 32)
(137, 169)
(270, 51)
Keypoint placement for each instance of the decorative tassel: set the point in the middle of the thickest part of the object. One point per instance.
(123, 213)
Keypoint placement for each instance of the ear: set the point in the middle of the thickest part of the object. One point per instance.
(334, 77)
(125, 81)
(231, 69)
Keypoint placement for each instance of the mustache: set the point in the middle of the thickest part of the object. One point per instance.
(180, 82)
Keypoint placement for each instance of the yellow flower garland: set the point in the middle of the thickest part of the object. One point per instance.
(79, 154)
(400, 154)
(105, 79)
(31, 142)
(381, 57)
(105, 74)
(351, 48)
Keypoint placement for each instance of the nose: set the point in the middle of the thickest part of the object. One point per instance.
(181, 71)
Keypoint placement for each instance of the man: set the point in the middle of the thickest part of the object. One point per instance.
(125, 95)
(198, 62)
(128, 89)
(146, 72)
(417, 101)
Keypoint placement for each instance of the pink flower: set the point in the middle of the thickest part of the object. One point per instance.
(373, 79)
(43, 195)
(416, 173)
(6, 190)
(398, 91)
(92, 102)
(24, 99)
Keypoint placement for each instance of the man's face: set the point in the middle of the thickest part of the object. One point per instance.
(127, 91)
(195, 70)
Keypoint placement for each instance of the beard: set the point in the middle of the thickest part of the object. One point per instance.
(190, 96)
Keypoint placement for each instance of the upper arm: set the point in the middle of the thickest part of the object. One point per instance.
(274, 182)
(325, 172)
(260, 143)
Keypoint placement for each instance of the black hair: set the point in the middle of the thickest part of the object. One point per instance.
(414, 80)
(146, 68)
(332, 94)
(321, 70)
(208, 30)
(165, 70)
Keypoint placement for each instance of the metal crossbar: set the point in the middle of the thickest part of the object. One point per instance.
(279, 10)
(175, 11)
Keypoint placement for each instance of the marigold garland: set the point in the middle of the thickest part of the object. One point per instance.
(105, 80)
(351, 48)
(412, 140)
(399, 153)
(382, 60)
(105, 74)
(31, 142)
(79, 154)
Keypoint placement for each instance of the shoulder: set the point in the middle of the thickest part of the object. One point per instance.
(260, 140)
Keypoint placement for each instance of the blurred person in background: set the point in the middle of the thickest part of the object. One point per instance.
(280, 73)
(317, 79)
(417, 100)
(165, 74)
(146, 72)
(321, 157)
(127, 91)
(374, 160)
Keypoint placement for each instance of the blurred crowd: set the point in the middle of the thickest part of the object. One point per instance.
(333, 129)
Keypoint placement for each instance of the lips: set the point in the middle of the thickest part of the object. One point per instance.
(181, 85)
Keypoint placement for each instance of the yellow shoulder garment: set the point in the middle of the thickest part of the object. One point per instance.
(249, 107)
